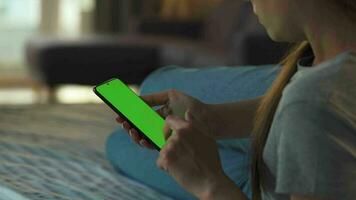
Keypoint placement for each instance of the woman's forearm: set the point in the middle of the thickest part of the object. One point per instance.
(223, 189)
(235, 120)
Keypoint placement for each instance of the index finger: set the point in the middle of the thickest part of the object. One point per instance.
(175, 123)
(156, 99)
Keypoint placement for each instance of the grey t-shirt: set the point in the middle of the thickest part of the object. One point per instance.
(311, 147)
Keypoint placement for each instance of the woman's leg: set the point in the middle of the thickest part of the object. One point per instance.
(140, 164)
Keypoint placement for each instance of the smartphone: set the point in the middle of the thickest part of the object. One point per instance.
(129, 106)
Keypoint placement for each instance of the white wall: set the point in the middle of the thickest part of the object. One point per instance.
(23, 19)
(19, 20)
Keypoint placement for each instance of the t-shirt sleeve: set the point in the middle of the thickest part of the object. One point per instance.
(316, 152)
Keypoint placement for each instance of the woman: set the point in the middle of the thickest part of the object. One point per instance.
(304, 127)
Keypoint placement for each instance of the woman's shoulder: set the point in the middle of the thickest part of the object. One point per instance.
(333, 81)
(342, 95)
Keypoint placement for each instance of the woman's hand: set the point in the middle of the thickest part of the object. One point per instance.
(173, 102)
(190, 156)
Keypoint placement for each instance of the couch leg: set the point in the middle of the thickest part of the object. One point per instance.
(41, 91)
(50, 95)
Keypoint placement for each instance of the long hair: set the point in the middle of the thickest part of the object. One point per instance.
(266, 111)
(268, 105)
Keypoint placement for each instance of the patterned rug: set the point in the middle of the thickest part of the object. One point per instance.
(56, 152)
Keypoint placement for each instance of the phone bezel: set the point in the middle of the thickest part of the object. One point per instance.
(122, 115)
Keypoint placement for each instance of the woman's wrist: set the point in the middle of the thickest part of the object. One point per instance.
(222, 188)
(211, 118)
(215, 118)
(233, 120)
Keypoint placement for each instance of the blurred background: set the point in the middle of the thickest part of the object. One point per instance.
(54, 51)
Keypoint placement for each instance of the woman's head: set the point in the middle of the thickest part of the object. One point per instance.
(287, 20)
(280, 18)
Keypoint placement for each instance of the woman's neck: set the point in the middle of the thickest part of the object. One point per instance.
(330, 37)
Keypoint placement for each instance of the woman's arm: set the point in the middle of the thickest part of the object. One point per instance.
(220, 121)
(235, 119)
(297, 197)
(191, 157)
(224, 189)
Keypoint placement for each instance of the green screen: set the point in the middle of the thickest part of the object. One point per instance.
(135, 109)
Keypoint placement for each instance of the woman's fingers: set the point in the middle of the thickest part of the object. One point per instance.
(139, 140)
(126, 126)
(134, 135)
(156, 99)
(188, 116)
(123, 123)
(164, 111)
(146, 144)
(167, 131)
(175, 122)
(119, 120)
(159, 111)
